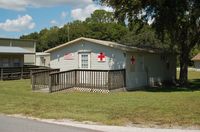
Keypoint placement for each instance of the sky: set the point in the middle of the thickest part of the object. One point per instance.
(21, 17)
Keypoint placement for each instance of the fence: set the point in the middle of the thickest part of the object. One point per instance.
(93, 79)
(40, 79)
(13, 73)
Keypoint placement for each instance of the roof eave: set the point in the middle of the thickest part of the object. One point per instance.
(119, 46)
(62, 45)
(15, 53)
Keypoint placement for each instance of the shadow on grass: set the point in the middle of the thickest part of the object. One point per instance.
(194, 85)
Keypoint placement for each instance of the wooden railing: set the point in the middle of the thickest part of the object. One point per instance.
(40, 79)
(92, 79)
(117, 79)
(62, 80)
(13, 73)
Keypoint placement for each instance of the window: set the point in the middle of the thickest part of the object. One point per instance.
(5, 62)
(84, 61)
(16, 62)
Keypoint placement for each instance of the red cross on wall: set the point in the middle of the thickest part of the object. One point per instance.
(101, 57)
(132, 60)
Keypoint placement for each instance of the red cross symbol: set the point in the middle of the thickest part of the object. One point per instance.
(101, 57)
(132, 60)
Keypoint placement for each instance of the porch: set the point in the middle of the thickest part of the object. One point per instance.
(78, 79)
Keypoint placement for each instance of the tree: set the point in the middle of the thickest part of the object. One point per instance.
(179, 19)
(144, 38)
(34, 35)
(101, 16)
(99, 26)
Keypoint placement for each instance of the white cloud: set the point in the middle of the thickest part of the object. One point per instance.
(54, 22)
(82, 13)
(63, 15)
(16, 25)
(23, 4)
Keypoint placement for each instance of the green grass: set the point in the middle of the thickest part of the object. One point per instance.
(191, 75)
(142, 107)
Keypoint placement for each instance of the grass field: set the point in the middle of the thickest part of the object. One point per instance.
(167, 108)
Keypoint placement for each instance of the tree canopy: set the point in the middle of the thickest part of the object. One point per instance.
(101, 25)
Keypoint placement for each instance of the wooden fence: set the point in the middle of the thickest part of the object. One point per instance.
(40, 79)
(13, 73)
(93, 79)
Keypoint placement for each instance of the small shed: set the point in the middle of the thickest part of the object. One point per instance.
(196, 60)
(42, 59)
(142, 67)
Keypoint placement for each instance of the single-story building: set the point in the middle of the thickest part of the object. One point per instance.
(143, 66)
(42, 59)
(27, 45)
(196, 60)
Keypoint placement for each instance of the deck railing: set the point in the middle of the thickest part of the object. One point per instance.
(13, 73)
(40, 79)
(81, 78)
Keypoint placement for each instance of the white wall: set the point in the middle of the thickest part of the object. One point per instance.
(115, 58)
(136, 76)
(149, 69)
(197, 65)
(40, 60)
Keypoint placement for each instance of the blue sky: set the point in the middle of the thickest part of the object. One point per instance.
(19, 17)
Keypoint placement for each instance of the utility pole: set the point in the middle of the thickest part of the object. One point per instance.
(68, 32)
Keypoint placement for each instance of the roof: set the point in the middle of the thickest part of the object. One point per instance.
(102, 42)
(196, 58)
(14, 50)
(18, 39)
(42, 54)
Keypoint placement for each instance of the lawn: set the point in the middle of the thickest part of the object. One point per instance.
(165, 108)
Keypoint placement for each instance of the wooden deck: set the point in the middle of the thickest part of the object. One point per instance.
(92, 80)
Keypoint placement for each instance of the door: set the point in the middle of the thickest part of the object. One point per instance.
(84, 61)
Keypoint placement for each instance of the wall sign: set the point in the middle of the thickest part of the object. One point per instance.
(69, 56)
(101, 57)
(132, 59)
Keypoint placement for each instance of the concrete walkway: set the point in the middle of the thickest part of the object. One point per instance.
(106, 128)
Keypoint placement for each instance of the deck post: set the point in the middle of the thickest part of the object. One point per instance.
(31, 76)
(109, 80)
(22, 72)
(32, 82)
(75, 78)
(1, 74)
(124, 77)
(50, 86)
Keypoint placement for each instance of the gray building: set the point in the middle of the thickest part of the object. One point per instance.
(17, 52)
(143, 67)
(196, 60)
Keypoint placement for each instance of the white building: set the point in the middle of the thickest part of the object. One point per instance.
(143, 67)
(42, 59)
(196, 60)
